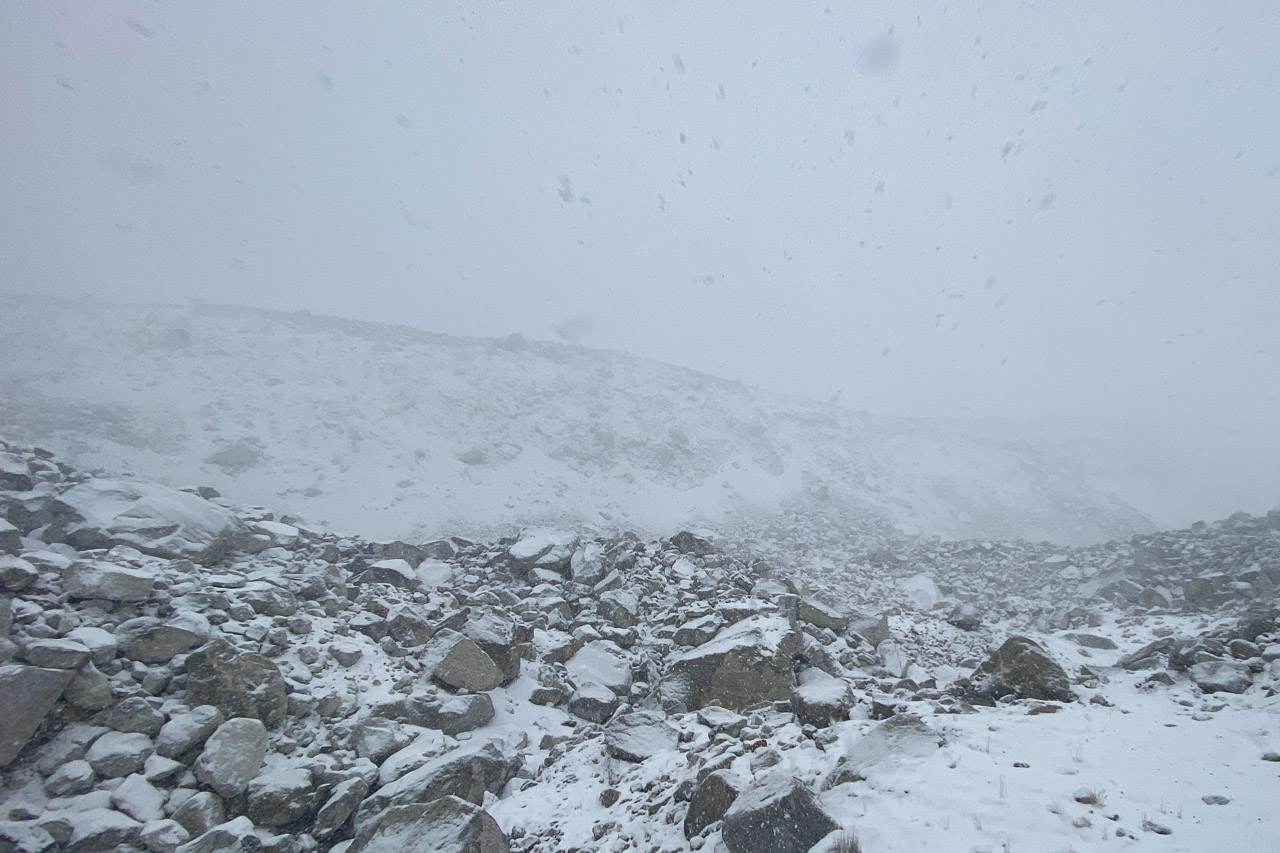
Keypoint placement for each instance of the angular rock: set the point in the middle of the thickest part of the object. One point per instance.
(451, 715)
(446, 825)
(500, 637)
(1021, 668)
(150, 640)
(95, 830)
(456, 661)
(16, 574)
(27, 694)
(639, 735)
(346, 652)
(237, 834)
(408, 627)
(1221, 676)
(200, 813)
(621, 607)
(816, 613)
(543, 548)
(467, 772)
(116, 754)
(55, 654)
(74, 777)
(747, 663)
(90, 690)
(822, 702)
(163, 836)
(780, 815)
(711, 799)
(593, 703)
(101, 644)
(139, 799)
(232, 756)
(601, 662)
(280, 797)
(156, 520)
(695, 632)
(268, 599)
(133, 714)
(238, 684)
(93, 579)
(187, 732)
(337, 810)
(397, 573)
(375, 738)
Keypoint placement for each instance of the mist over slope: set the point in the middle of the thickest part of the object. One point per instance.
(395, 432)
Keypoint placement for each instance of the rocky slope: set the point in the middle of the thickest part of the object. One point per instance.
(182, 674)
(394, 432)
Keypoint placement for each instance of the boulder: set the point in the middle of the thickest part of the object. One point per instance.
(375, 738)
(452, 715)
(200, 813)
(156, 520)
(621, 607)
(543, 548)
(445, 825)
(816, 613)
(16, 574)
(267, 599)
(822, 701)
(15, 476)
(500, 637)
(687, 543)
(232, 756)
(238, 684)
(593, 703)
(74, 777)
(395, 572)
(601, 662)
(133, 714)
(116, 754)
(467, 772)
(55, 654)
(94, 579)
(712, 798)
(27, 694)
(456, 661)
(139, 799)
(151, 640)
(777, 815)
(1221, 676)
(747, 663)
(163, 836)
(338, 808)
(95, 830)
(280, 797)
(1022, 669)
(697, 631)
(187, 732)
(639, 735)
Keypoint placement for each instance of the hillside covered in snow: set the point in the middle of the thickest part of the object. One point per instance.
(393, 432)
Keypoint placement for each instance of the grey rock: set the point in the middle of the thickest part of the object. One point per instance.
(1021, 668)
(27, 694)
(409, 627)
(55, 654)
(337, 810)
(456, 661)
(74, 777)
(822, 702)
(697, 631)
(778, 815)
(133, 714)
(268, 599)
(621, 607)
(95, 830)
(163, 836)
(639, 735)
(139, 799)
(346, 652)
(1090, 641)
(15, 474)
(238, 684)
(108, 582)
(467, 772)
(816, 613)
(232, 756)
(375, 738)
(445, 825)
(747, 663)
(200, 813)
(70, 744)
(116, 754)
(150, 640)
(16, 574)
(498, 636)
(25, 837)
(101, 644)
(721, 720)
(187, 732)
(1221, 676)
(593, 703)
(156, 520)
(601, 662)
(712, 798)
(90, 690)
(280, 797)
(237, 834)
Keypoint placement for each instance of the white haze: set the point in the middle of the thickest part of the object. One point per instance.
(1018, 211)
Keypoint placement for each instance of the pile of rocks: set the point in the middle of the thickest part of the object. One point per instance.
(178, 674)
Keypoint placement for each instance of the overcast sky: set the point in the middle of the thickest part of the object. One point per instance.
(1025, 209)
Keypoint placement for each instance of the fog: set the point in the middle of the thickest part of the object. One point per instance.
(1021, 210)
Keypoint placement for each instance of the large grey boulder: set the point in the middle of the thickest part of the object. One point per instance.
(1221, 676)
(15, 476)
(543, 548)
(237, 683)
(467, 772)
(94, 830)
(151, 640)
(776, 815)
(154, 519)
(10, 541)
(16, 574)
(232, 756)
(747, 663)
(95, 579)
(816, 613)
(711, 801)
(452, 715)
(822, 702)
(639, 735)
(445, 825)
(500, 637)
(280, 797)
(1023, 669)
(187, 732)
(27, 695)
(55, 654)
(601, 662)
(338, 808)
(621, 607)
(454, 660)
(117, 754)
